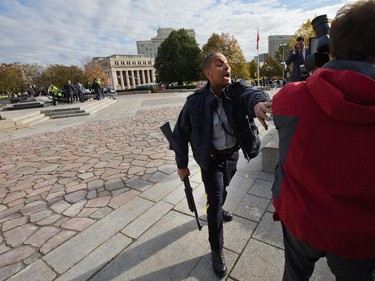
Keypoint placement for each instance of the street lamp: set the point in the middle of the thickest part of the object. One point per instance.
(283, 62)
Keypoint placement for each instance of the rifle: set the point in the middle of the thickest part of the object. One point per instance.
(167, 131)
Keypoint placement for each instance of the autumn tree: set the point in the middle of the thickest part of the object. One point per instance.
(94, 70)
(58, 75)
(178, 58)
(229, 47)
(252, 65)
(271, 68)
(306, 30)
(12, 79)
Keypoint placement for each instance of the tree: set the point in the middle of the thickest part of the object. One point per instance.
(253, 69)
(178, 58)
(229, 47)
(306, 30)
(58, 75)
(94, 70)
(271, 69)
(11, 79)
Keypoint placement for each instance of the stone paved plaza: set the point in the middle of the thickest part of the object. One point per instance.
(98, 198)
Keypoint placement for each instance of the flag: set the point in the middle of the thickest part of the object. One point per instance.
(258, 39)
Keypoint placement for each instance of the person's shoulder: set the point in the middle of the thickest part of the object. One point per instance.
(290, 91)
(197, 93)
(237, 86)
(241, 88)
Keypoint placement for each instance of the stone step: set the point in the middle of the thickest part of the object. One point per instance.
(98, 105)
(25, 105)
(63, 112)
(6, 125)
(44, 111)
(41, 119)
(270, 152)
(27, 119)
(32, 118)
(67, 115)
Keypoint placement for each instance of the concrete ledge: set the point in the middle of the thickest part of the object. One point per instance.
(6, 125)
(270, 153)
(98, 105)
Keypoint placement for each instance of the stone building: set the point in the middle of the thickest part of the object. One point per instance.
(149, 48)
(127, 71)
(275, 41)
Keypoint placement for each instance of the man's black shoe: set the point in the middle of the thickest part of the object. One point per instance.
(227, 216)
(218, 263)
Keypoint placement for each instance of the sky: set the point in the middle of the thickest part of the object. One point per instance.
(71, 32)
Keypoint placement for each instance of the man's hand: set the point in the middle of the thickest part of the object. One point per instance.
(183, 173)
(260, 110)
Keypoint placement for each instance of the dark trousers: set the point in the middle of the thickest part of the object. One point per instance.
(300, 260)
(218, 176)
(69, 97)
(81, 97)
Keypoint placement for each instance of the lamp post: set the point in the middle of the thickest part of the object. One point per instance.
(283, 62)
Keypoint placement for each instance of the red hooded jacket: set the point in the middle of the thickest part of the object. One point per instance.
(324, 189)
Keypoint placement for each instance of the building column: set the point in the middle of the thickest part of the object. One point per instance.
(118, 86)
(139, 81)
(114, 80)
(143, 77)
(122, 79)
(148, 76)
(133, 78)
(127, 80)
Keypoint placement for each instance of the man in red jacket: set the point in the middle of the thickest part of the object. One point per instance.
(324, 189)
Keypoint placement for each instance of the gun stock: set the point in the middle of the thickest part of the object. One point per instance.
(167, 131)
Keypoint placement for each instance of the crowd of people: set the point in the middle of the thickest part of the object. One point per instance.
(71, 92)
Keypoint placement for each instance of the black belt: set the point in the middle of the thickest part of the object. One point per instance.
(227, 151)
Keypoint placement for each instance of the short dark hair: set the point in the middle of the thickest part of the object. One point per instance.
(300, 38)
(207, 60)
(352, 32)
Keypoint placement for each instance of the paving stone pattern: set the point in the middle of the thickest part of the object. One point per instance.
(55, 185)
(97, 198)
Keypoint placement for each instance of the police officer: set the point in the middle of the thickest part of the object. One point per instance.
(215, 120)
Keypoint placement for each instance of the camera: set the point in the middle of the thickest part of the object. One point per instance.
(319, 45)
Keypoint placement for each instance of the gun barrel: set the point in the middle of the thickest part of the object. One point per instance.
(190, 199)
(167, 131)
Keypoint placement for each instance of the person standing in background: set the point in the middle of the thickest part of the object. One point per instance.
(79, 89)
(297, 57)
(68, 89)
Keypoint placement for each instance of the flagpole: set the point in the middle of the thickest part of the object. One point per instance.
(258, 82)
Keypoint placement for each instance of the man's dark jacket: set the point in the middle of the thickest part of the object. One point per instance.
(297, 61)
(195, 122)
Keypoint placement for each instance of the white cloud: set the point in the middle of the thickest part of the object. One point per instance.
(69, 31)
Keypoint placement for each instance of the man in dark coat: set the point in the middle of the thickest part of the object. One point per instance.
(218, 120)
(68, 89)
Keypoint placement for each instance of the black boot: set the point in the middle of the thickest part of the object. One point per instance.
(218, 263)
(227, 216)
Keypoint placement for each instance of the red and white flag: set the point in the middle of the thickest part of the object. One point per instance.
(258, 38)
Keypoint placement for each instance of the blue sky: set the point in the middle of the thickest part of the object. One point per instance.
(70, 32)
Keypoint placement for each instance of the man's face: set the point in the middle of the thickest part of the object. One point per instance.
(300, 45)
(218, 71)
